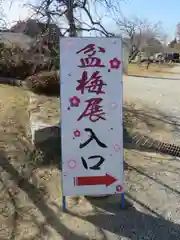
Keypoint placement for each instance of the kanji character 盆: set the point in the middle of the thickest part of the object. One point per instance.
(94, 84)
(90, 60)
(90, 50)
(93, 110)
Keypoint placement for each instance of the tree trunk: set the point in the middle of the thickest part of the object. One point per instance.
(70, 18)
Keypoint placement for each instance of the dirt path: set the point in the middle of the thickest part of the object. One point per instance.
(176, 69)
(30, 207)
(14, 148)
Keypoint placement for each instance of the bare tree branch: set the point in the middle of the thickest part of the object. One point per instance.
(140, 34)
(68, 9)
(103, 30)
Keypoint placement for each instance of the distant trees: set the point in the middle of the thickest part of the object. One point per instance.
(141, 36)
(178, 32)
(174, 44)
(2, 17)
(54, 18)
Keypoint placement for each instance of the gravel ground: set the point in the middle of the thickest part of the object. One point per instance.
(176, 69)
(156, 93)
(32, 210)
(154, 179)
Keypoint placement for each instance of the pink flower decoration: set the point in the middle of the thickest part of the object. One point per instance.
(69, 43)
(114, 105)
(72, 164)
(77, 133)
(74, 101)
(101, 49)
(117, 147)
(119, 188)
(115, 63)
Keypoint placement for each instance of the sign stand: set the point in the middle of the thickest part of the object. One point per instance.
(122, 200)
(87, 96)
(63, 203)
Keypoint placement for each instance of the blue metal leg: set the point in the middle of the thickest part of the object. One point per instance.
(64, 203)
(122, 200)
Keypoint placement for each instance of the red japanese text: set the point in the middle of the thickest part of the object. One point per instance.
(91, 60)
(94, 83)
(93, 110)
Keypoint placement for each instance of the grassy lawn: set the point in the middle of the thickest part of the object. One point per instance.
(13, 113)
(154, 69)
(31, 207)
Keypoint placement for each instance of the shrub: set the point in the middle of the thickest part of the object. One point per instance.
(15, 63)
(44, 83)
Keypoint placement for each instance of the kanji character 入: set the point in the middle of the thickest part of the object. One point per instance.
(92, 137)
(93, 110)
(97, 165)
(94, 84)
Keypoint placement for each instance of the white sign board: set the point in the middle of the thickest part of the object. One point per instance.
(91, 115)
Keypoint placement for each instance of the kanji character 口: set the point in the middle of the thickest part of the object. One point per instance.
(97, 165)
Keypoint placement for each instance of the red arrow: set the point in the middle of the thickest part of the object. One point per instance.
(94, 180)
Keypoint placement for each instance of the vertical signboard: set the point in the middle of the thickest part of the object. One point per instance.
(91, 116)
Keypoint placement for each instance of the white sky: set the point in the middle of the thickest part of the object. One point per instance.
(17, 11)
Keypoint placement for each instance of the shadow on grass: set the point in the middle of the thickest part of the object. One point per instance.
(160, 78)
(152, 178)
(152, 118)
(147, 129)
(140, 126)
(130, 223)
(38, 199)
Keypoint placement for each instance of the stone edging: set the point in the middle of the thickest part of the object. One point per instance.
(40, 129)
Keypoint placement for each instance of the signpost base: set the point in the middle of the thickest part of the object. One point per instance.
(122, 200)
(64, 203)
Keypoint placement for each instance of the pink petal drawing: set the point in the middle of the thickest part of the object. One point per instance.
(102, 50)
(114, 105)
(117, 147)
(69, 43)
(72, 164)
(77, 133)
(119, 188)
(74, 101)
(115, 63)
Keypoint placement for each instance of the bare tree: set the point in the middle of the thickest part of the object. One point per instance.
(54, 18)
(178, 32)
(3, 23)
(139, 34)
(66, 13)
